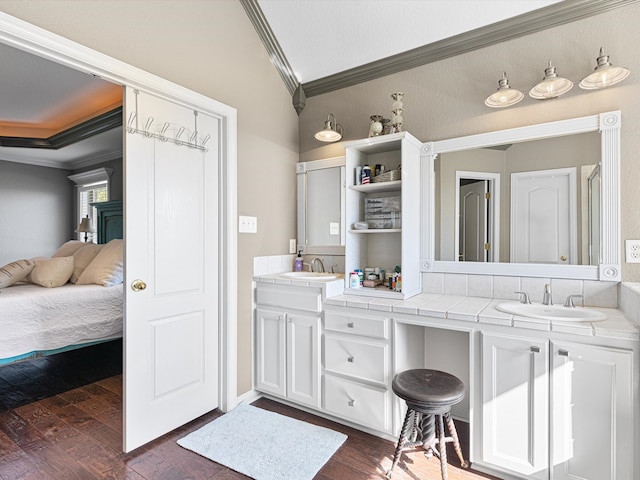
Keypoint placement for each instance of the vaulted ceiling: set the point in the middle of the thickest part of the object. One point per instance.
(317, 46)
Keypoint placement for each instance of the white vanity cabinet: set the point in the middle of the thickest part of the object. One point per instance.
(393, 237)
(356, 354)
(556, 409)
(591, 412)
(515, 399)
(288, 321)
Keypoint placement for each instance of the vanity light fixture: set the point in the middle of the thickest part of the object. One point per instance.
(604, 75)
(505, 96)
(332, 131)
(551, 86)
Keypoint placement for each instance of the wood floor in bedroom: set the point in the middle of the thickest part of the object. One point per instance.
(61, 418)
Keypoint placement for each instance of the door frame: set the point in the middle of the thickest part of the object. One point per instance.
(493, 222)
(37, 41)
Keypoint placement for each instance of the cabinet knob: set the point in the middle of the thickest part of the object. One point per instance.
(350, 325)
(563, 352)
(535, 349)
(350, 359)
(352, 403)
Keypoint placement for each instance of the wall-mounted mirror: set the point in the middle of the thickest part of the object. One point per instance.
(321, 195)
(539, 200)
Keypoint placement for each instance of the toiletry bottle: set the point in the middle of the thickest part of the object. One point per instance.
(366, 174)
(298, 267)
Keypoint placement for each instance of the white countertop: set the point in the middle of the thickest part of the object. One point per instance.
(329, 287)
(482, 310)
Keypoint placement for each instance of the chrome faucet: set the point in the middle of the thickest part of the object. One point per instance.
(524, 297)
(569, 301)
(319, 261)
(546, 296)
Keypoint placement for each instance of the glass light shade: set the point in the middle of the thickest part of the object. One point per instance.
(330, 133)
(552, 85)
(604, 75)
(505, 96)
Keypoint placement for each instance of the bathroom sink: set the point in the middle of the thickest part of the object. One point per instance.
(551, 312)
(309, 275)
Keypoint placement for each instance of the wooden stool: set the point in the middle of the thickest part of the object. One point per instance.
(429, 395)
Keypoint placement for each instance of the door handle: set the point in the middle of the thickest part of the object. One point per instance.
(138, 285)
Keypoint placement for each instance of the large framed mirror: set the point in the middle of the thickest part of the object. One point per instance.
(321, 206)
(541, 200)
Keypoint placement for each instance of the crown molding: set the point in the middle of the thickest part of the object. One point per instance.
(531, 22)
(82, 131)
(254, 12)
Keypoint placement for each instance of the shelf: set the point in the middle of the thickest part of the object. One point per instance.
(378, 187)
(376, 230)
(379, 291)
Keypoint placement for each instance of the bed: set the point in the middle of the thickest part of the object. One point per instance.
(84, 305)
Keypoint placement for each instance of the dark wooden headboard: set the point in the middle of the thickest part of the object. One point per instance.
(109, 224)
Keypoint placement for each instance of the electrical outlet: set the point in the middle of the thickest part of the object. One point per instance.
(633, 251)
(247, 224)
(292, 245)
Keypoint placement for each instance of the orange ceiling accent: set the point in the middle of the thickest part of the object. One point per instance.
(83, 106)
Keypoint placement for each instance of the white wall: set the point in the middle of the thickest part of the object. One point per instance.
(445, 99)
(212, 48)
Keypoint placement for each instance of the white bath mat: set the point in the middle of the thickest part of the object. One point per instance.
(265, 445)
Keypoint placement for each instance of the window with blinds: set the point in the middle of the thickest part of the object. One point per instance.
(88, 194)
(92, 187)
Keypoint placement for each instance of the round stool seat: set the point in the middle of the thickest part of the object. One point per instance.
(428, 391)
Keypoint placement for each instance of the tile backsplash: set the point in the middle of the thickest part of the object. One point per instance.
(284, 263)
(596, 294)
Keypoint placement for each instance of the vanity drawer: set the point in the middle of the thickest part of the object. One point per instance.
(287, 297)
(362, 404)
(356, 358)
(357, 325)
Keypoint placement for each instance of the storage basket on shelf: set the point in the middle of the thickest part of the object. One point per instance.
(389, 176)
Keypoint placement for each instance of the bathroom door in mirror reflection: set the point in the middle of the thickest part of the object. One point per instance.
(543, 216)
(473, 221)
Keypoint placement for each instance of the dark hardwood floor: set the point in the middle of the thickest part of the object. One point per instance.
(61, 418)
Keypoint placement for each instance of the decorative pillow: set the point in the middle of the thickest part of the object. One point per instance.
(107, 268)
(82, 258)
(69, 248)
(52, 272)
(15, 272)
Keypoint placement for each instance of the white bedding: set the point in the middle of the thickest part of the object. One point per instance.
(34, 318)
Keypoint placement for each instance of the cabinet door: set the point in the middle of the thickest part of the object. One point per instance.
(270, 351)
(592, 413)
(303, 359)
(515, 414)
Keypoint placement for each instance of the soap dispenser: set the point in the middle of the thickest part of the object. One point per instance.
(298, 267)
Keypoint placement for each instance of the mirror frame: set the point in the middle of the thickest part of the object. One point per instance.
(609, 269)
(302, 206)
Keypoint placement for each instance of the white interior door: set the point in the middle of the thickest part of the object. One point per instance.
(171, 228)
(543, 216)
(473, 221)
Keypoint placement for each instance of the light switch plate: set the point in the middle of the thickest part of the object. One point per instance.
(334, 228)
(292, 245)
(247, 224)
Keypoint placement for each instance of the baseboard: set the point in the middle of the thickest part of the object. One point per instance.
(249, 397)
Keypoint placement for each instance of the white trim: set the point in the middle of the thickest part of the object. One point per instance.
(37, 41)
(101, 174)
(608, 124)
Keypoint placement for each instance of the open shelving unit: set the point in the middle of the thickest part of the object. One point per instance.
(385, 247)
